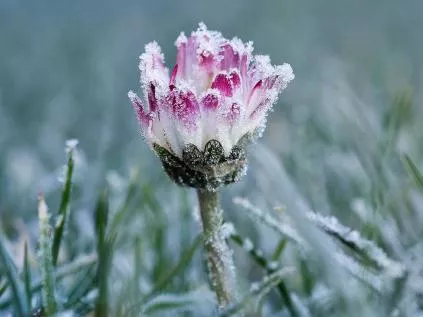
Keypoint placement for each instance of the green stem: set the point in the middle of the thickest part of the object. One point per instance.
(219, 256)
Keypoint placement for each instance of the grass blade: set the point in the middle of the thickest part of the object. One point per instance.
(81, 286)
(164, 280)
(119, 217)
(46, 263)
(279, 249)
(64, 208)
(105, 246)
(183, 262)
(27, 276)
(166, 302)
(257, 291)
(3, 288)
(16, 287)
(269, 267)
(62, 272)
(413, 171)
(179, 304)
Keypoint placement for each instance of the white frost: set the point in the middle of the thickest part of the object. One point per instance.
(270, 220)
(333, 226)
(71, 144)
(247, 245)
(227, 230)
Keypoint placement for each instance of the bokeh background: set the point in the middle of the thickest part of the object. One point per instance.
(334, 142)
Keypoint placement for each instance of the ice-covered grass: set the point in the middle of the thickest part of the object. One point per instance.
(148, 259)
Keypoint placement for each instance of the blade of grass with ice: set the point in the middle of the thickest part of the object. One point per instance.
(60, 273)
(177, 303)
(18, 295)
(270, 220)
(179, 267)
(83, 285)
(173, 272)
(119, 216)
(64, 207)
(365, 248)
(46, 260)
(269, 267)
(257, 291)
(105, 248)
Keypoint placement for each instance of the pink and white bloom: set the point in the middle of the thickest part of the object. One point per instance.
(217, 90)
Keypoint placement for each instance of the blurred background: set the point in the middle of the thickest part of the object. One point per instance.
(334, 143)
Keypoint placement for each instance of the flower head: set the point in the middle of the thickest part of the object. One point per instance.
(215, 100)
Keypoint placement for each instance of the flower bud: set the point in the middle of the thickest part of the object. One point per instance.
(202, 115)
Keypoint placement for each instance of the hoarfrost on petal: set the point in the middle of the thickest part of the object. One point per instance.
(216, 90)
(182, 39)
(153, 69)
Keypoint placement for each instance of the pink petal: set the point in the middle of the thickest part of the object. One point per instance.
(282, 75)
(152, 65)
(234, 113)
(235, 79)
(173, 75)
(255, 91)
(181, 57)
(270, 81)
(143, 118)
(230, 57)
(223, 83)
(261, 109)
(186, 56)
(152, 100)
(210, 101)
(244, 66)
(206, 61)
(184, 107)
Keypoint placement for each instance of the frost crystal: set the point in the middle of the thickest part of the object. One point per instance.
(248, 245)
(255, 286)
(227, 230)
(71, 144)
(333, 227)
(268, 219)
(273, 265)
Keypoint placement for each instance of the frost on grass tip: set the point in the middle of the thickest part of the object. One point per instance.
(202, 114)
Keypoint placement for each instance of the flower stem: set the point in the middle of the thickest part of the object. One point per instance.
(219, 255)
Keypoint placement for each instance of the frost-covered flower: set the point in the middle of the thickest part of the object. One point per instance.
(214, 101)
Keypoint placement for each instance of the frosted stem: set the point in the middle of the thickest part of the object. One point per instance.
(46, 260)
(219, 256)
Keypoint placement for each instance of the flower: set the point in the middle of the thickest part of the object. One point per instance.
(212, 104)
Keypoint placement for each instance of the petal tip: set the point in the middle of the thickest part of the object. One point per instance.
(153, 48)
(137, 104)
(182, 39)
(131, 95)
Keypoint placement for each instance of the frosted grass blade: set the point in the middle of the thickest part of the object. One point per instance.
(64, 208)
(18, 294)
